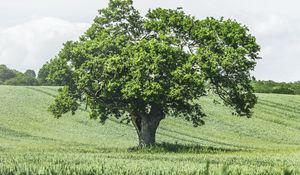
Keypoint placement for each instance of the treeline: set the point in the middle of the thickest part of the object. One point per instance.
(14, 77)
(28, 78)
(276, 87)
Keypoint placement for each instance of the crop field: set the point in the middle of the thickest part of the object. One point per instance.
(32, 141)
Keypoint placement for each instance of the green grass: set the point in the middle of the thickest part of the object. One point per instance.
(33, 142)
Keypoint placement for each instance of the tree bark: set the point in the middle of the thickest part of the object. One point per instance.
(146, 126)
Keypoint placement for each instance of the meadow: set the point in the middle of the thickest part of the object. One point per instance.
(32, 141)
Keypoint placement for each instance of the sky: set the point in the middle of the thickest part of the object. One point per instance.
(33, 31)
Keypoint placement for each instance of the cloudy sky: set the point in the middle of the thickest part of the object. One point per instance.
(32, 31)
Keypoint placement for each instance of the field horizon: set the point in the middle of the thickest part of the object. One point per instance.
(32, 140)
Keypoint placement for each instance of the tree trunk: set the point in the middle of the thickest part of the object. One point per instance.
(146, 126)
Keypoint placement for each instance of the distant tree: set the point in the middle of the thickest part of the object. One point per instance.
(22, 80)
(283, 90)
(43, 75)
(276, 87)
(144, 69)
(30, 73)
(56, 72)
(296, 87)
(263, 86)
(13, 77)
(6, 73)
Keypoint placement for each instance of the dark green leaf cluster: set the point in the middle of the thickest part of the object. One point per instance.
(167, 60)
(64, 102)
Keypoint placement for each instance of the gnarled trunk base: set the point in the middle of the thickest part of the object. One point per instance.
(146, 127)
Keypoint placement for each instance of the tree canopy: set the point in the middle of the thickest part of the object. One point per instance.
(30, 73)
(142, 69)
(53, 73)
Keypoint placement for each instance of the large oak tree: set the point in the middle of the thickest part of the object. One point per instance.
(143, 69)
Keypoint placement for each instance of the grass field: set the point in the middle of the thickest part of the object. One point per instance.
(33, 142)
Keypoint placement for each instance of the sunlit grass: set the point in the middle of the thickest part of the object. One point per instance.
(33, 142)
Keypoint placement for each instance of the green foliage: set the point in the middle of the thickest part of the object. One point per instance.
(276, 87)
(283, 90)
(22, 80)
(43, 75)
(6, 73)
(126, 65)
(57, 72)
(13, 77)
(65, 103)
(43, 78)
(30, 73)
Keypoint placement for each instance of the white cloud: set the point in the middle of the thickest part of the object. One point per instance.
(27, 42)
(279, 37)
(29, 45)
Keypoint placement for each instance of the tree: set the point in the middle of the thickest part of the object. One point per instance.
(6, 73)
(55, 72)
(283, 90)
(30, 73)
(22, 80)
(44, 73)
(13, 77)
(142, 69)
(269, 86)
